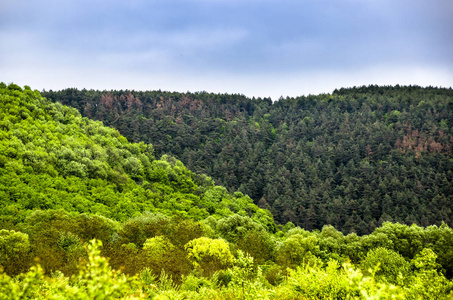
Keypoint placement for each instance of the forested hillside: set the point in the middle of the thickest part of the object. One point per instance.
(52, 158)
(85, 214)
(65, 179)
(353, 159)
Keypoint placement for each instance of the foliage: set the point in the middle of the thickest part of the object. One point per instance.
(296, 250)
(14, 249)
(238, 277)
(209, 255)
(84, 214)
(353, 159)
(386, 264)
(53, 158)
(95, 281)
(235, 227)
(428, 283)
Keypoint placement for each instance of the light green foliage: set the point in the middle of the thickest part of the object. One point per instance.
(353, 248)
(208, 254)
(162, 240)
(72, 248)
(426, 260)
(52, 158)
(158, 248)
(287, 226)
(172, 172)
(133, 166)
(26, 286)
(406, 240)
(440, 240)
(146, 279)
(243, 269)
(333, 282)
(363, 287)
(160, 224)
(331, 243)
(243, 205)
(264, 217)
(235, 227)
(97, 227)
(376, 239)
(297, 230)
(245, 281)
(136, 230)
(427, 282)
(194, 283)
(313, 282)
(386, 265)
(212, 197)
(297, 249)
(60, 157)
(183, 231)
(97, 280)
(69, 242)
(56, 237)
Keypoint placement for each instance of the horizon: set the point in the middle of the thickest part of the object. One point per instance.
(232, 94)
(256, 49)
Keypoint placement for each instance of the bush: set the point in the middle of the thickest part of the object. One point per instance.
(389, 265)
(209, 255)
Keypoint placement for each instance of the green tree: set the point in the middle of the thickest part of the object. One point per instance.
(297, 250)
(14, 250)
(209, 255)
(235, 227)
(391, 266)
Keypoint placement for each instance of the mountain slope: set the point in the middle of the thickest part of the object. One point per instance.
(52, 158)
(354, 158)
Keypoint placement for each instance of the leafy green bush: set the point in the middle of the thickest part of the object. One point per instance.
(14, 251)
(209, 255)
(386, 264)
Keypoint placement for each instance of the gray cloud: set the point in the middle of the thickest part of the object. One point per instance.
(227, 46)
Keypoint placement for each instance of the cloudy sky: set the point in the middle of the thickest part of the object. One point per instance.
(261, 48)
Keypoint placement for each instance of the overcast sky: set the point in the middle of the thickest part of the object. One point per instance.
(261, 48)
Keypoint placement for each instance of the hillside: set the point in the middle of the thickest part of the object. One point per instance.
(85, 214)
(353, 159)
(65, 179)
(53, 158)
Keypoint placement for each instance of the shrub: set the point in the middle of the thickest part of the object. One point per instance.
(390, 265)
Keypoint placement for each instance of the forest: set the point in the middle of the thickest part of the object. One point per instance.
(353, 159)
(95, 212)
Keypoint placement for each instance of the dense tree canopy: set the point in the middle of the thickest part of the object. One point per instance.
(85, 214)
(353, 159)
(53, 158)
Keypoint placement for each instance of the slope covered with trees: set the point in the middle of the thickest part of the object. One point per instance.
(52, 158)
(353, 159)
(87, 215)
